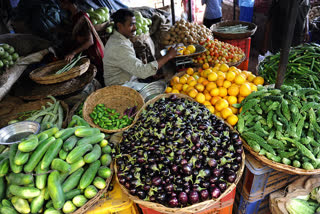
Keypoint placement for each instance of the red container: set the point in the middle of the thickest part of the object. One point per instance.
(225, 204)
(244, 44)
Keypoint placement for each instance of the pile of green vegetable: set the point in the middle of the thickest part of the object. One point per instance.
(108, 118)
(48, 116)
(54, 171)
(99, 15)
(283, 125)
(8, 56)
(71, 64)
(303, 66)
(309, 204)
(142, 23)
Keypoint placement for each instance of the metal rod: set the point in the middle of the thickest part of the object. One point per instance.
(190, 10)
(173, 13)
(286, 41)
(234, 9)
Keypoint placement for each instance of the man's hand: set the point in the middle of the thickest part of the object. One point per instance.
(172, 52)
(69, 57)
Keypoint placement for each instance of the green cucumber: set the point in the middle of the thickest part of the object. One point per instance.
(4, 167)
(86, 132)
(72, 181)
(79, 200)
(52, 210)
(99, 182)
(89, 175)
(29, 144)
(20, 204)
(6, 203)
(107, 149)
(77, 165)
(21, 158)
(49, 204)
(24, 192)
(65, 133)
(12, 153)
(9, 210)
(70, 143)
(41, 177)
(91, 139)
(104, 172)
(2, 188)
(38, 154)
(106, 159)
(71, 194)
(50, 132)
(93, 155)
(63, 154)
(52, 152)
(55, 190)
(78, 152)
(104, 143)
(20, 179)
(60, 165)
(90, 191)
(42, 136)
(68, 207)
(37, 202)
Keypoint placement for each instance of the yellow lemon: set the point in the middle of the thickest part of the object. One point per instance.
(223, 92)
(214, 92)
(230, 76)
(200, 98)
(183, 80)
(212, 76)
(226, 84)
(245, 89)
(210, 86)
(224, 67)
(233, 90)
(221, 104)
(214, 100)
(191, 48)
(168, 90)
(190, 71)
(232, 119)
(232, 100)
(199, 87)
(226, 112)
(240, 79)
(258, 81)
(211, 108)
(192, 93)
(175, 91)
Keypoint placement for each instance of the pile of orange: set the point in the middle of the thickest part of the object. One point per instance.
(218, 88)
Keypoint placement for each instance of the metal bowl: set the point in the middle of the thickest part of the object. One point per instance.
(14, 133)
(153, 89)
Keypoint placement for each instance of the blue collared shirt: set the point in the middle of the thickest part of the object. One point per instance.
(213, 9)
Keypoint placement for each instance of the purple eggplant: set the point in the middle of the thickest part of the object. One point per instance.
(193, 197)
(173, 202)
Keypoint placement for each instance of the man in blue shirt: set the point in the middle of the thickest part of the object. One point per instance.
(213, 12)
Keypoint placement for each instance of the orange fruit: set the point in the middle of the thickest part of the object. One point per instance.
(253, 87)
(208, 96)
(239, 79)
(240, 98)
(206, 103)
(199, 87)
(200, 98)
(246, 73)
(218, 114)
(226, 84)
(230, 76)
(233, 90)
(205, 66)
(185, 87)
(245, 89)
(190, 71)
(214, 92)
(183, 92)
(223, 92)
(175, 80)
(183, 80)
(258, 81)
(232, 68)
(191, 48)
(214, 100)
(210, 86)
(196, 77)
(224, 67)
(192, 93)
(175, 91)
(226, 112)
(220, 81)
(217, 65)
(210, 108)
(212, 76)
(234, 110)
(168, 89)
(177, 86)
(201, 79)
(232, 100)
(205, 82)
(191, 78)
(221, 74)
(232, 119)
(186, 52)
(221, 104)
(192, 83)
(251, 77)
(206, 72)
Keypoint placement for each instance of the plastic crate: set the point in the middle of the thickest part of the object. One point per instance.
(115, 202)
(243, 206)
(244, 44)
(260, 180)
(227, 203)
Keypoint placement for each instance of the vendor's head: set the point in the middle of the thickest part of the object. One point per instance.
(125, 22)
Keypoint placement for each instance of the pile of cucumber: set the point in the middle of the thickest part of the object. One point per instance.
(283, 125)
(55, 171)
(8, 56)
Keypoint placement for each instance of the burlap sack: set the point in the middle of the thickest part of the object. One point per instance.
(144, 48)
(301, 187)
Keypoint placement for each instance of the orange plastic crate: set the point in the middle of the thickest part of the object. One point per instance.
(227, 200)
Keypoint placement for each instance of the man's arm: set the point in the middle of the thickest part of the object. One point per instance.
(170, 55)
(82, 47)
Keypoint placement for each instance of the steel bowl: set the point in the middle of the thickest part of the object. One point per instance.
(152, 90)
(14, 133)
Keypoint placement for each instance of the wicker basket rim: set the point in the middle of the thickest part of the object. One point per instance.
(190, 209)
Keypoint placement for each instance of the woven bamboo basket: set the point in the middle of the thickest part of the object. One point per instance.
(30, 106)
(213, 203)
(251, 30)
(279, 166)
(47, 74)
(96, 198)
(115, 97)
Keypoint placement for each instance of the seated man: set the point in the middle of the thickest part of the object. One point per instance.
(120, 61)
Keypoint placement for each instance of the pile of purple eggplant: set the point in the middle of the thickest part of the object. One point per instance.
(178, 154)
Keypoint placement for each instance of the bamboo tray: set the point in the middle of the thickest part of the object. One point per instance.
(189, 209)
(47, 74)
(279, 166)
